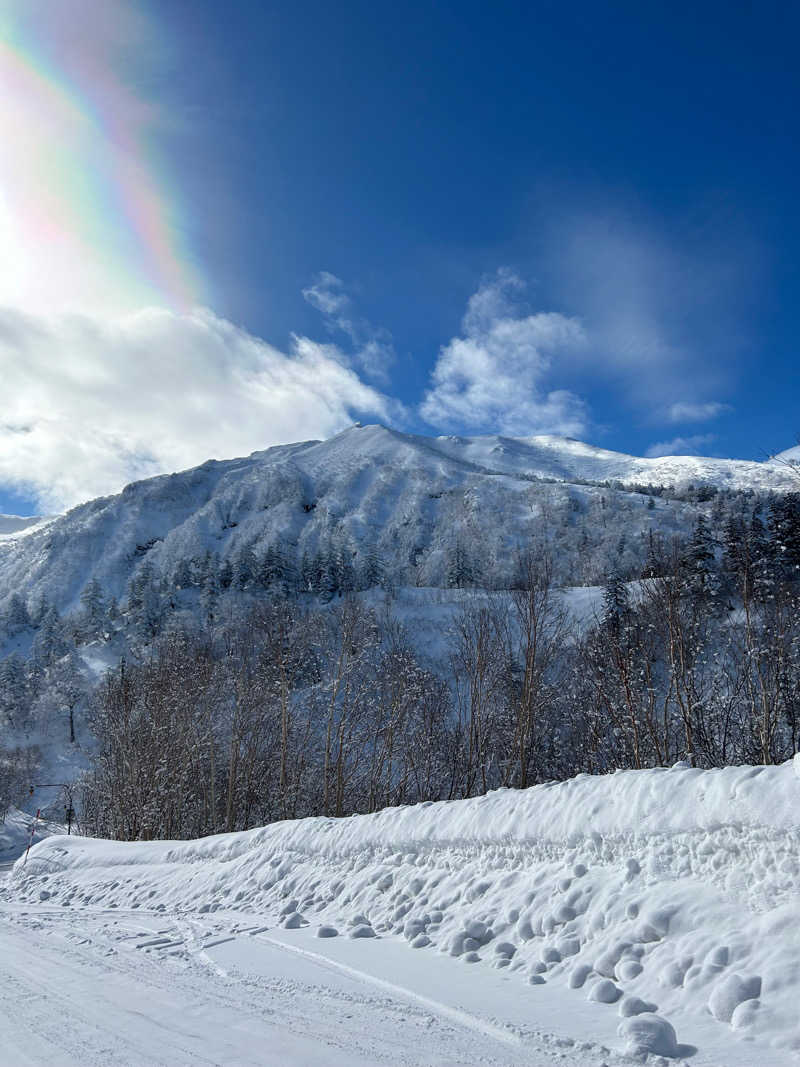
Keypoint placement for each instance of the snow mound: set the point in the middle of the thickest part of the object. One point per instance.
(666, 897)
(650, 1035)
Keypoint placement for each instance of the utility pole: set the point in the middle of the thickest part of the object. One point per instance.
(69, 810)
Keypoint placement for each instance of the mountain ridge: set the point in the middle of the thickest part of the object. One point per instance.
(369, 488)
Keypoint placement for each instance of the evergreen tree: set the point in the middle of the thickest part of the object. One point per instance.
(150, 615)
(784, 525)
(459, 572)
(93, 610)
(13, 691)
(345, 571)
(372, 569)
(616, 602)
(736, 560)
(287, 577)
(326, 583)
(144, 577)
(699, 563)
(15, 615)
(50, 643)
(245, 567)
(225, 575)
(182, 576)
(268, 571)
(209, 597)
(307, 573)
(41, 606)
(761, 557)
(654, 561)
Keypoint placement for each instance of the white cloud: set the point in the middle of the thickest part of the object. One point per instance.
(90, 404)
(666, 313)
(327, 294)
(685, 411)
(681, 446)
(374, 351)
(492, 377)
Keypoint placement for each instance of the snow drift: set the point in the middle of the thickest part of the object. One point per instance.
(667, 896)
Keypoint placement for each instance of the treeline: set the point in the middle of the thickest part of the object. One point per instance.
(299, 710)
(254, 690)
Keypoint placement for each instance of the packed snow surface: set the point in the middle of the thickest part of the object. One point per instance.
(648, 913)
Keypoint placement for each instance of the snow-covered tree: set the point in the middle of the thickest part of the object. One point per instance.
(616, 602)
(15, 617)
(93, 611)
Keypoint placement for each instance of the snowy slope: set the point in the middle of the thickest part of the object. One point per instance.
(11, 525)
(407, 496)
(656, 909)
(564, 458)
(790, 455)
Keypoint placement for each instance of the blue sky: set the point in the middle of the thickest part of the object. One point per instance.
(464, 218)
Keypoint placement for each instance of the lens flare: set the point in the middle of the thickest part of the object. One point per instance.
(88, 217)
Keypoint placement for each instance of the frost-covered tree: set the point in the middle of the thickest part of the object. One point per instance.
(245, 567)
(616, 602)
(784, 526)
(14, 692)
(182, 577)
(700, 574)
(225, 574)
(93, 611)
(50, 643)
(372, 570)
(460, 570)
(15, 617)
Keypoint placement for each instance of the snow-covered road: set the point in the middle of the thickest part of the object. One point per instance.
(85, 987)
(645, 916)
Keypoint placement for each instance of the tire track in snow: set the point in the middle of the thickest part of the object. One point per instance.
(455, 1015)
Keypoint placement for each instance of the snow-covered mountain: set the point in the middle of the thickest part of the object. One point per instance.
(15, 524)
(789, 455)
(548, 456)
(369, 489)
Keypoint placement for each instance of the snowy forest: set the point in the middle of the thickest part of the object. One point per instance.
(271, 686)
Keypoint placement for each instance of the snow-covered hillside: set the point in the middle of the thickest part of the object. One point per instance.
(790, 455)
(656, 911)
(567, 459)
(408, 498)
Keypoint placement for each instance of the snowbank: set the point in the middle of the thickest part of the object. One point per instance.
(667, 896)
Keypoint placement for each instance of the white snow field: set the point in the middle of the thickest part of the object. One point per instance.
(643, 916)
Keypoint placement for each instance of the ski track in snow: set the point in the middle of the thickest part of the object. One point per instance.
(92, 987)
(651, 910)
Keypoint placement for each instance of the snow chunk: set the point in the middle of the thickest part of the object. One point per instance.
(605, 992)
(649, 1034)
(362, 930)
(730, 992)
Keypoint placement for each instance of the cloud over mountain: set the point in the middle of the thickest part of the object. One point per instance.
(492, 376)
(92, 403)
